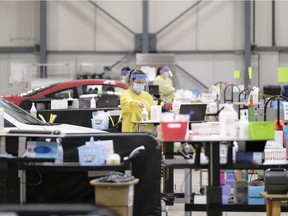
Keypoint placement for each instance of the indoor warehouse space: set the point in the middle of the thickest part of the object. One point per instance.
(143, 107)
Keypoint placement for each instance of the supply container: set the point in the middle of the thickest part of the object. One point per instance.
(228, 122)
(116, 196)
(90, 155)
(174, 130)
(100, 120)
(155, 112)
(261, 130)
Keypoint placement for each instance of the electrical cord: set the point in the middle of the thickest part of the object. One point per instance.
(36, 183)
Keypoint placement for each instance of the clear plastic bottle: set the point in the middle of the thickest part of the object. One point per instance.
(227, 122)
(144, 114)
(243, 126)
(60, 153)
(33, 110)
(175, 106)
(92, 103)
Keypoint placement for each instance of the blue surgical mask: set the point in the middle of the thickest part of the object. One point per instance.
(138, 88)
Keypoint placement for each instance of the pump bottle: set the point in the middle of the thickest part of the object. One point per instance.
(251, 110)
(144, 114)
(60, 153)
(243, 126)
(92, 103)
(33, 110)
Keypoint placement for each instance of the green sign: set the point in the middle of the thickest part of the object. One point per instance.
(283, 74)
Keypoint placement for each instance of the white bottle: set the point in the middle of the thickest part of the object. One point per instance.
(234, 151)
(33, 110)
(1, 119)
(60, 154)
(243, 126)
(228, 122)
(144, 114)
(92, 103)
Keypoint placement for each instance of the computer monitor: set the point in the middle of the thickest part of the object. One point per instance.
(195, 111)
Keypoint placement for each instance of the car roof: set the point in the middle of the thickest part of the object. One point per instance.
(92, 81)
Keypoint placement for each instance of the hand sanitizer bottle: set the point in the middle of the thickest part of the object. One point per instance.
(60, 153)
(243, 126)
(33, 110)
(144, 114)
(92, 103)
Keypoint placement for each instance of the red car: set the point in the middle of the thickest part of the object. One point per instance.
(73, 88)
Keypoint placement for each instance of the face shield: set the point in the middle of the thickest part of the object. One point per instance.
(124, 74)
(166, 70)
(140, 80)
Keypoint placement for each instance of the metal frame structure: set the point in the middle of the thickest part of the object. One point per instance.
(145, 37)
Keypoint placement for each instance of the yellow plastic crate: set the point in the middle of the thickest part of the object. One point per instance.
(261, 130)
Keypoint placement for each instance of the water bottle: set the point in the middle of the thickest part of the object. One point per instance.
(60, 153)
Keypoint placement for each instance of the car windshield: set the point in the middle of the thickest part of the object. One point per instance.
(19, 114)
(36, 90)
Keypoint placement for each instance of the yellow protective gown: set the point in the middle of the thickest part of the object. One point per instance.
(130, 110)
(166, 89)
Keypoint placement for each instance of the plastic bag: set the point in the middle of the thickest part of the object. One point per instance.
(116, 177)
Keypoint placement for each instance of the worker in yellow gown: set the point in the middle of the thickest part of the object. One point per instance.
(133, 100)
(166, 88)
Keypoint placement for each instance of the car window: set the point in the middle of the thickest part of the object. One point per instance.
(92, 89)
(102, 89)
(19, 114)
(8, 124)
(66, 93)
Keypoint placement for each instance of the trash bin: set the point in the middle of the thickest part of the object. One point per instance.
(116, 196)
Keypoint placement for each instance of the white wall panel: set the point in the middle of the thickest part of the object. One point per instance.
(220, 25)
(263, 23)
(17, 23)
(208, 68)
(70, 26)
(281, 26)
(268, 70)
(181, 34)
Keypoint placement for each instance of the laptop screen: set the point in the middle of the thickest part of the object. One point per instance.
(196, 111)
(154, 89)
(106, 101)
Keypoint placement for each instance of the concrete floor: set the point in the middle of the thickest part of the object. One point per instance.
(178, 208)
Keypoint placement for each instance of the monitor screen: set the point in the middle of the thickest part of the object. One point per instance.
(196, 111)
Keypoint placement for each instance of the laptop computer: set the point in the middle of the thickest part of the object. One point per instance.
(106, 101)
(196, 111)
(154, 90)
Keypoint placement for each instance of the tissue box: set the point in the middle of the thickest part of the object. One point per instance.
(41, 149)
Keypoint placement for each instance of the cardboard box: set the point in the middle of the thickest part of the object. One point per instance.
(117, 196)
